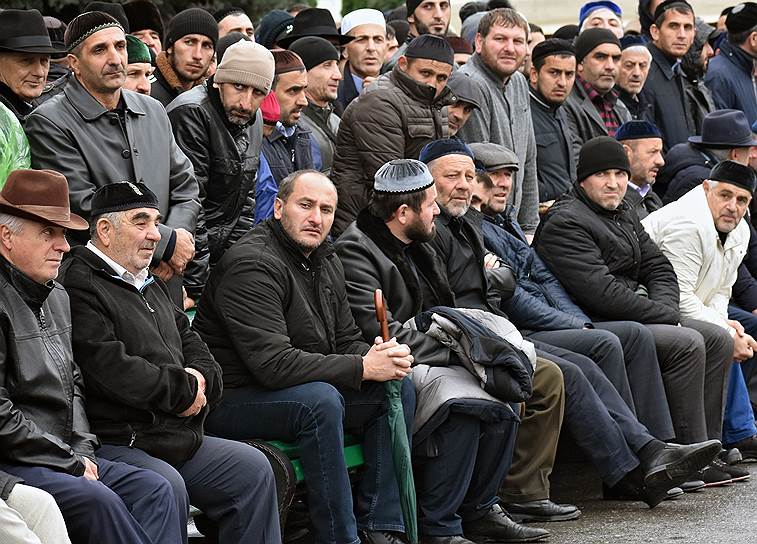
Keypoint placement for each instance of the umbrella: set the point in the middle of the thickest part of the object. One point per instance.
(403, 470)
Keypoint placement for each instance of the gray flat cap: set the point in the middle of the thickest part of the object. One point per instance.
(465, 88)
(402, 176)
(494, 157)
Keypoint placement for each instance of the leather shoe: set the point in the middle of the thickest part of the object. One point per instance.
(456, 539)
(625, 491)
(496, 526)
(543, 510)
(747, 447)
(692, 486)
(381, 537)
(675, 464)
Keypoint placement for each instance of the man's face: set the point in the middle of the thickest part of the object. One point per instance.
(151, 38)
(367, 51)
(676, 34)
(503, 50)
(606, 188)
(240, 102)
(728, 204)
(308, 213)
(421, 226)
(323, 82)
(138, 77)
(191, 56)
(454, 177)
(600, 67)
(645, 156)
(37, 250)
(604, 18)
(290, 92)
(534, 39)
(238, 22)
(555, 78)
(133, 239)
(24, 73)
(704, 57)
(431, 72)
(430, 17)
(503, 184)
(102, 61)
(633, 71)
(457, 115)
(391, 48)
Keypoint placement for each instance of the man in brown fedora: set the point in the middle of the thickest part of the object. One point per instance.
(44, 432)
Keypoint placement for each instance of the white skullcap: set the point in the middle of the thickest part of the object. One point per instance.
(365, 16)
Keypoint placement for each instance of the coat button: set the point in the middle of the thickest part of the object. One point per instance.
(126, 154)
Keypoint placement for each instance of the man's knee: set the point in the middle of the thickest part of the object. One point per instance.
(323, 402)
(548, 381)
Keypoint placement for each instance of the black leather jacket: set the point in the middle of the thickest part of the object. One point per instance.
(42, 417)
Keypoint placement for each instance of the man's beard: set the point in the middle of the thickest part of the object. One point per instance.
(236, 117)
(417, 232)
(423, 29)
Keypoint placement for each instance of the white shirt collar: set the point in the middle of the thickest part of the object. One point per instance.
(641, 190)
(137, 281)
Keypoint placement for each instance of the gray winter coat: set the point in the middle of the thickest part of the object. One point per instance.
(75, 135)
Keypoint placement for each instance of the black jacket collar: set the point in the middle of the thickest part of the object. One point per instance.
(19, 107)
(32, 292)
(293, 250)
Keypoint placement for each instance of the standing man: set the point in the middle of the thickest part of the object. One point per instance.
(365, 53)
(552, 75)
(672, 35)
(505, 118)
(469, 96)
(221, 132)
(635, 60)
(401, 113)
(234, 19)
(190, 44)
(642, 142)
(146, 23)
(275, 316)
(45, 437)
(423, 17)
(95, 133)
(139, 70)
(730, 75)
(150, 380)
(321, 61)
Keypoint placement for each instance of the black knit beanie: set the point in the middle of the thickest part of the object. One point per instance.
(111, 8)
(600, 154)
(143, 15)
(221, 14)
(430, 47)
(224, 43)
(314, 50)
(86, 24)
(592, 38)
(412, 5)
(734, 173)
(191, 21)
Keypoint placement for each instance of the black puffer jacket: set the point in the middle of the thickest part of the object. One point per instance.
(272, 316)
(605, 260)
(133, 347)
(42, 417)
(225, 158)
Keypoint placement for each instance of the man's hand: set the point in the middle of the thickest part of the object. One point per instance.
(200, 400)
(197, 374)
(387, 361)
(491, 261)
(736, 325)
(368, 80)
(743, 347)
(183, 252)
(163, 271)
(90, 469)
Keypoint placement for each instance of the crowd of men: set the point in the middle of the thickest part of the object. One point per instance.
(560, 227)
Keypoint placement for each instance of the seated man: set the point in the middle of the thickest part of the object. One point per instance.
(150, 378)
(593, 242)
(705, 236)
(642, 143)
(463, 462)
(44, 435)
(275, 316)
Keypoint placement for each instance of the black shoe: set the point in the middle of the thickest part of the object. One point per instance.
(731, 456)
(544, 510)
(381, 537)
(456, 539)
(737, 474)
(748, 449)
(496, 526)
(692, 486)
(625, 491)
(673, 494)
(713, 476)
(675, 464)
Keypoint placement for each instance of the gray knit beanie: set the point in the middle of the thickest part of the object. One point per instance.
(247, 63)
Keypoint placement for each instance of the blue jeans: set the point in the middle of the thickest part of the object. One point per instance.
(314, 416)
(738, 422)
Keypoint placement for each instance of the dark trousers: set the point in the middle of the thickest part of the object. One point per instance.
(691, 356)
(232, 483)
(460, 481)
(127, 505)
(315, 415)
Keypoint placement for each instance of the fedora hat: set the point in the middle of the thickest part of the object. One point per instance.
(314, 22)
(725, 129)
(24, 31)
(39, 195)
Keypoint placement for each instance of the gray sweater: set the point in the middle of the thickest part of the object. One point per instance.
(505, 119)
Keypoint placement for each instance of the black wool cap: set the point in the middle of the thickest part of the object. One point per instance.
(86, 24)
(313, 50)
(600, 154)
(191, 21)
(430, 47)
(230, 39)
(566, 32)
(670, 4)
(111, 8)
(143, 15)
(734, 173)
(122, 196)
(221, 14)
(742, 17)
(412, 5)
(591, 38)
(552, 46)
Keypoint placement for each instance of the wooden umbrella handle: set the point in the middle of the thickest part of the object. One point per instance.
(378, 300)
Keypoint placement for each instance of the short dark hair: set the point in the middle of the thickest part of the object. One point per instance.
(286, 187)
(483, 177)
(390, 32)
(507, 17)
(538, 63)
(384, 205)
(680, 7)
(738, 38)
(535, 28)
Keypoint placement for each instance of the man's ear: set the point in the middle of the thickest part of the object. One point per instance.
(654, 32)
(5, 237)
(401, 214)
(278, 206)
